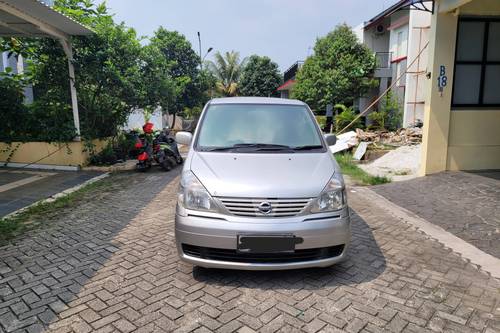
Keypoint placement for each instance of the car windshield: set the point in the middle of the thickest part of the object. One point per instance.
(258, 127)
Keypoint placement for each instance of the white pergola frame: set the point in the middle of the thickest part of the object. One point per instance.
(35, 24)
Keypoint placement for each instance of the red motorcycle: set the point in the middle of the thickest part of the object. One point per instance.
(160, 149)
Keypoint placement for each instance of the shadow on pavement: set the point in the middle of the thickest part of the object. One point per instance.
(364, 263)
(44, 270)
(45, 184)
(493, 174)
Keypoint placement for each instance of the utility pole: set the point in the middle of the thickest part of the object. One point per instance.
(208, 51)
(199, 43)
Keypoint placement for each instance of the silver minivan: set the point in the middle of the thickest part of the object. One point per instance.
(260, 189)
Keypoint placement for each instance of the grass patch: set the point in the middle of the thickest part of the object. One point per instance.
(349, 168)
(36, 215)
(381, 146)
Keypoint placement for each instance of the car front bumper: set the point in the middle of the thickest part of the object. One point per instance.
(328, 234)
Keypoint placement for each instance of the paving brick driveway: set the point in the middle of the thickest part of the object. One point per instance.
(465, 204)
(110, 265)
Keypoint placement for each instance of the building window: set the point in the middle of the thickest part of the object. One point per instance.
(399, 45)
(477, 63)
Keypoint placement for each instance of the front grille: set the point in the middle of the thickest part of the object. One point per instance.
(250, 206)
(262, 258)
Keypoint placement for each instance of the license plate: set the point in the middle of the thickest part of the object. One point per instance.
(267, 244)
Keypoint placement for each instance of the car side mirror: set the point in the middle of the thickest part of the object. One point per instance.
(331, 139)
(183, 138)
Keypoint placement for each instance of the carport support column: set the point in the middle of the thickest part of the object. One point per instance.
(74, 100)
(434, 157)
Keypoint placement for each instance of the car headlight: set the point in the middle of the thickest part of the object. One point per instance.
(193, 195)
(332, 197)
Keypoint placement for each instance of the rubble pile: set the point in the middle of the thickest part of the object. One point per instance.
(401, 137)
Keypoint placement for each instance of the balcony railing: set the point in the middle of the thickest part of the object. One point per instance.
(383, 59)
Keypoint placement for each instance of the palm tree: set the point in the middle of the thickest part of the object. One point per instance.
(227, 70)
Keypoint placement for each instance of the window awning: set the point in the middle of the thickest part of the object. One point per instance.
(32, 18)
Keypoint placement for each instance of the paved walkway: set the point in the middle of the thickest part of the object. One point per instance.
(465, 204)
(22, 187)
(110, 264)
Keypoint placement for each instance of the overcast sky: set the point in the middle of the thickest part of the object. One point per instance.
(284, 30)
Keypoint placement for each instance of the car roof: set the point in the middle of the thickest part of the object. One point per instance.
(256, 100)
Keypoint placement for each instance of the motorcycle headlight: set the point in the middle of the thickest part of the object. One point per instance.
(193, 195)
(332, 197)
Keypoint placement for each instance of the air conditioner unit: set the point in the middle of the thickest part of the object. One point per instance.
(380, 29)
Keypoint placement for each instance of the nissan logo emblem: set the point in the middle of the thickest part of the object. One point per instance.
(265, 207)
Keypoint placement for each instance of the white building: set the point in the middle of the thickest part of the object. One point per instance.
(397, 36)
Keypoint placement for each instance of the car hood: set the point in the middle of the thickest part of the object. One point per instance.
(298, 175)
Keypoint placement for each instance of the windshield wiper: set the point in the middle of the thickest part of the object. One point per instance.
(217, 149)
(307, 147)
(256, 146)
(263, 146)
(259, 145)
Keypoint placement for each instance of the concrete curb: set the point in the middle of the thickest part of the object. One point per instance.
(128, 165)
(56, 196)
(485, 261)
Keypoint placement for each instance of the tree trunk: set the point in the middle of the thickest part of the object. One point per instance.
(173, 120)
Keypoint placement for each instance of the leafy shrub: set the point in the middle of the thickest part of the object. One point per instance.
(389, 115)
(321, 121)
(394, 118)
(44, 120)
(49, 121)
(192, 113)
(119, 148)
(345, 117)
(107, 156)
(377, 119)
(124, 145)
(12, 107)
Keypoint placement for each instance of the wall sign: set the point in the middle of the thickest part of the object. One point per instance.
(442, 79)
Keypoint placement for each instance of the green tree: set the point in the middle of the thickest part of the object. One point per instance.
(260, 77)
(106, 66)
(227, 70)
(181, 63)
(339, 71)
(155, 87)
(114, 73)
(16, 46)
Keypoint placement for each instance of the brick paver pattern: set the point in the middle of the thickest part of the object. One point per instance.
(111, 265)
(465, 204)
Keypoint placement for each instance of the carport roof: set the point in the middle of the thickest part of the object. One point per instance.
(32, 18)
(421, 5)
